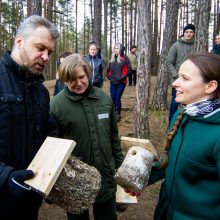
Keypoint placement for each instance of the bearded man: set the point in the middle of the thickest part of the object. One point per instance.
(25, 121)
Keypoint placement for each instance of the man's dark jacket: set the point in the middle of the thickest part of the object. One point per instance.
(25, 122)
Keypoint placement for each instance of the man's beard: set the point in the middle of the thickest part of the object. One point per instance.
(31, 69)
(34, 71)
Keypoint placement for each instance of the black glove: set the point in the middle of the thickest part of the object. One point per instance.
(16, 179)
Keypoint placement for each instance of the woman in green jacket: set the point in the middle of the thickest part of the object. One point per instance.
(191, 188)
(86, 114)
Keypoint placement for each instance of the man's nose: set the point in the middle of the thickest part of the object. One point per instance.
(45, 56)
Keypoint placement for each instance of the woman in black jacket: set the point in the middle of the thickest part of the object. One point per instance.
(118, 70)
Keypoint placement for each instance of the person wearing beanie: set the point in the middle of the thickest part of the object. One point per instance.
(189, 27)
(176, 56)
(216, 48)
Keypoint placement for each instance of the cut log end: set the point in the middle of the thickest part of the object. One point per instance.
(134, 172)
(77, 186)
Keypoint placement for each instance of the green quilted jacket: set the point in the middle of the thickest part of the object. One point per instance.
(89, 119)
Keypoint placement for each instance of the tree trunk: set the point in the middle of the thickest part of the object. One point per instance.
(36, 7)
(131, 24)
(105, 43)
(160, 95)
(155, 37)
(76, 29)
(97, 22)
(201, 34)
(144, 69)
(49, 10)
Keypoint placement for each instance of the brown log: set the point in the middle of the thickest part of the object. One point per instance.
(77, 186)
(134, 172)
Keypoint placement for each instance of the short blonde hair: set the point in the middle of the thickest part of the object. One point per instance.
(68, 69)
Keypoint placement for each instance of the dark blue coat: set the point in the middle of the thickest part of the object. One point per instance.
(25, 122)
(96, 63)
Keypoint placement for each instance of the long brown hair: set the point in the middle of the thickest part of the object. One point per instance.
(208, 64)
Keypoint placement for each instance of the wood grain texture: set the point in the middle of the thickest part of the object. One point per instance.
(49, 162)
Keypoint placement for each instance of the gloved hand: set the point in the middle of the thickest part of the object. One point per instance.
(16, 179)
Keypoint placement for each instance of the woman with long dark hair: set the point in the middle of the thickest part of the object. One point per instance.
(118, 71)
(190, 164)
(192, 172)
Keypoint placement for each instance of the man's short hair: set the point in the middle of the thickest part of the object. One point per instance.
(35, 21)
(132, 47)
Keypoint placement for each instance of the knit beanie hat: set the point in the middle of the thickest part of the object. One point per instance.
(189, 26)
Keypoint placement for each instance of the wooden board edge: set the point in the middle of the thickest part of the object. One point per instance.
(129, 141)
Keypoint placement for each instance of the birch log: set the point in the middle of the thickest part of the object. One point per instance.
(134, 172)
(77, 186)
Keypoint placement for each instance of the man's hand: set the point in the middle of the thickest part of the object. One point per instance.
(15, 180)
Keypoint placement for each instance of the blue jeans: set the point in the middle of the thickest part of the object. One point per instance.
(116, 91)
(173, 105)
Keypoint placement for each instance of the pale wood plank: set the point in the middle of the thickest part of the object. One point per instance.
(49, 162)
(123, 197)
(127, 142)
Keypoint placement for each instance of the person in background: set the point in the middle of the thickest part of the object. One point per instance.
(25, 118)
(95, 62)
(86, 114)
(216, 48)
(192, 169)
(119, 69)
(133, 59)
(176, 56)
(59, 85)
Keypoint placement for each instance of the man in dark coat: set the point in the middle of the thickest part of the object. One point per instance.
(25, 121)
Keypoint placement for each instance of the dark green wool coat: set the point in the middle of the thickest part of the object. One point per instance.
(89, 119)
(191, 189)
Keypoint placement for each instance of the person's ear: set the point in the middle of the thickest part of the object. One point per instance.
(211, 87)
(18, 40)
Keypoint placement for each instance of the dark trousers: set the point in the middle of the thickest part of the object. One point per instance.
(173, 105)
(116, 91)
(101, 211)
(98, 84)
(132, 77)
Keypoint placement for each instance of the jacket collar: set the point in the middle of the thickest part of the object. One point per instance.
(19, 71)
(183, 40)
(91, 92)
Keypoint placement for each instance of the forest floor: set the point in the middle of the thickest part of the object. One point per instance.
(145, 207)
